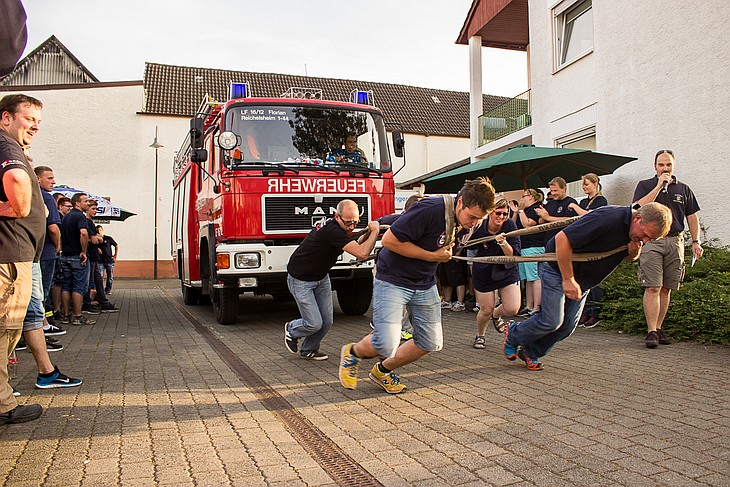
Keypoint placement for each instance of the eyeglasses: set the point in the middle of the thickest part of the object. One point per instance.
(663, 151)
(501, 213)
(348, 223)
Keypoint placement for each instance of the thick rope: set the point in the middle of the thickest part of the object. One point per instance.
(526, 231)
(549, 257)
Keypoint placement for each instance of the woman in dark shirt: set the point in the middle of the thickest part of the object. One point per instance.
(532, 244)
(488, 278)
(594, 198)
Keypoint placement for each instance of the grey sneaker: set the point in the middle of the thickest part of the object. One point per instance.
(82, 320)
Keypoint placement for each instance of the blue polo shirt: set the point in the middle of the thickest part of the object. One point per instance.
(601, 230)
(559, 208)
(71, 227)
(678, 198)
(423, 225)
(53, 218)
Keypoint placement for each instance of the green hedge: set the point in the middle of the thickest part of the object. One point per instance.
(700, 310)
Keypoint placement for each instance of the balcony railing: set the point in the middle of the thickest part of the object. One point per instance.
(502, 120)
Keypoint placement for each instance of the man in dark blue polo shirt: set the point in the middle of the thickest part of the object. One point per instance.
(412, 248)
(565, 284)
(74, 262)
(661, 266)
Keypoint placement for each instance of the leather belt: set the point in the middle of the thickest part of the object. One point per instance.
(673, 234)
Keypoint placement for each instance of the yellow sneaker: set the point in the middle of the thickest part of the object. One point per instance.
(348, 367)
(390, 382)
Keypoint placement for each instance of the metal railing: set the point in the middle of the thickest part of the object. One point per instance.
(504, 119)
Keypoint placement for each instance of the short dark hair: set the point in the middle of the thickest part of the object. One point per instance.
(93, 203)
(412, 200)
(62, 200)
(99, 227)
(478, 192)
(10, 103)
(39, 170)
(76, 198)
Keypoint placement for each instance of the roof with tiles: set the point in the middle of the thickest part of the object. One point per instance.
(178, 90)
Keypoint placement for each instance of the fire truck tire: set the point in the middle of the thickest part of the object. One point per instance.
(354, 299)
(225, 305)
(191, 295)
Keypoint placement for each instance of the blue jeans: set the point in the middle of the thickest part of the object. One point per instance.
(555, 321)
(35, 313)
(48, 268)
(109, 269)
(424, 308)
(314, 300)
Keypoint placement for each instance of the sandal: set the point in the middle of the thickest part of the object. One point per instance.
(480, 342)
(499, 324)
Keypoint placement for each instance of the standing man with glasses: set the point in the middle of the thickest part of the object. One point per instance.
(309, 280)
(661, 265)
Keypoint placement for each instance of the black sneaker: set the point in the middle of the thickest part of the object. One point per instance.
(82, 320)
(57, 315)
(652, 339)
(52, 340)
(21, 344)
(54, 330)
(109, 308)
(663, 338)
(289, 341)
(21, 414)
(53, 347)
(315, 355)
(92, 309)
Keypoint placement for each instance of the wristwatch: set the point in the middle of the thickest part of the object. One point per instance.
(697, 242)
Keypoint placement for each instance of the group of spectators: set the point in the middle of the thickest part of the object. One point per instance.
(49, 248)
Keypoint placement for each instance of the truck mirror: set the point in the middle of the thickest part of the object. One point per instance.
(197, 133)
(199, 155)
(399, 143)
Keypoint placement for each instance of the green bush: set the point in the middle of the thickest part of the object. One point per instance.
(700, 310)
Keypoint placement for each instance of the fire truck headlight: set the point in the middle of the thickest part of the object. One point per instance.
(248, 261)
(227, 140)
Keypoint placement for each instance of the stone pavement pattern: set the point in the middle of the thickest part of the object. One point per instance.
(160, 407)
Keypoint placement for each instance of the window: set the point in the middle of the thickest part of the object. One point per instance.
(573, 23)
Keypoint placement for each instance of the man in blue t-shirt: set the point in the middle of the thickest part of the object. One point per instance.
(558, 208)
(74, 262)
(52, 244)
(412, 248)
(565, 283)
(309, 281)
(661, 266)
(351, 153)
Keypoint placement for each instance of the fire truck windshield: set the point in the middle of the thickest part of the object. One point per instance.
(306, 136)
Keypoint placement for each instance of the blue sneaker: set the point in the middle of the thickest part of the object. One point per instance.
(56, 380)
(509, 349)
(530, 363)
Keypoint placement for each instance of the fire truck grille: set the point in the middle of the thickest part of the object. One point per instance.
(295, 214)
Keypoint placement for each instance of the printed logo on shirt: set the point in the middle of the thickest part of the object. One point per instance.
(11, 162)
(442, 239)
(678, 198)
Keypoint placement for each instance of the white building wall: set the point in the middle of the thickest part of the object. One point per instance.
(656, 79)
(427, 153)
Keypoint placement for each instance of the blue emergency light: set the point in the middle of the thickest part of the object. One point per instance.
(237, 90)
(362, 97)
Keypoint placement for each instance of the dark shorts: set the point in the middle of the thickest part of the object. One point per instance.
(453, 273)
(75, 275)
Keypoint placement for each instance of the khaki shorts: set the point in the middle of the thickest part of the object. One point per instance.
(661, 263)
(16, 282)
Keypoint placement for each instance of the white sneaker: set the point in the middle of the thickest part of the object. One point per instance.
(458, 306)
(445, 305)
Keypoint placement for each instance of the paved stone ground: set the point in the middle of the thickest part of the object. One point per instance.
(160, 407)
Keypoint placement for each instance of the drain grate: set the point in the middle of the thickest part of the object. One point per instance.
(338, 464)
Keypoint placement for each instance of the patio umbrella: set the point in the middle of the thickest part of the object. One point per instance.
(527, 166)
(106, 211)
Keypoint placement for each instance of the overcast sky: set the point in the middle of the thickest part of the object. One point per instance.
(393, 41)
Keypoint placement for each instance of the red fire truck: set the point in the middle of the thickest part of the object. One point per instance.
(252, 178)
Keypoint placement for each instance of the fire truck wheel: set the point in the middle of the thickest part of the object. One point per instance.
(225, 305)
(191, 295)
(354, 299)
